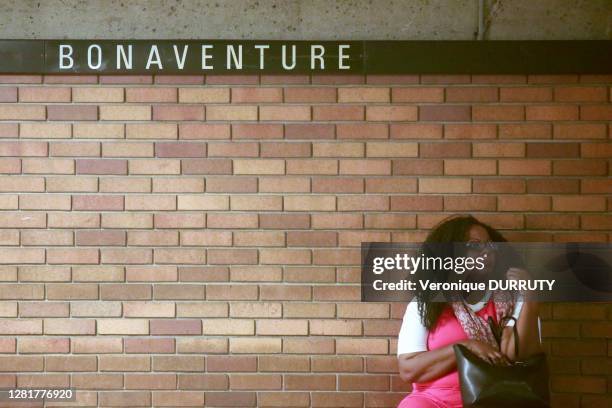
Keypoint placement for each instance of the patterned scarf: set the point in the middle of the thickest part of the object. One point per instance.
(475, 326)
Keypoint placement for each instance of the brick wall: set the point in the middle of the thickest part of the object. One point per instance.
(180, 241)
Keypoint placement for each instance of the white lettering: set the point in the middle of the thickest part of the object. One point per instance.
(180, 61)
(63, 56)
(261, 49)
(205, 56)
(154, 53)
(231, 56)
(90, 56)
(127, 59)
(293, 58)
(317, 56)
(342, 57)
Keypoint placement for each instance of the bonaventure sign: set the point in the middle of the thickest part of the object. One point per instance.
(303, 57)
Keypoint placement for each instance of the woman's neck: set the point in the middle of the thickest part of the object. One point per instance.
(475, 296)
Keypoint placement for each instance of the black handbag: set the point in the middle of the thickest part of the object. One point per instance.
(484, 385)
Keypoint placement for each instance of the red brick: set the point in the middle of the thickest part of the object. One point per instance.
(596, 186)
(362, 131)
(579, 131)
(172, 327)
(527, 167)
(540, 150)
(284, 113)
(523, 203)
(470, 131)
(231, 184)
(416, 167)
(471, 203)
(500, 149)
(206, 166)
(180, 149)
(176, 112)
(595, 78)
(578, 203)
(232, 79)
(231, 399)
(257, 131)
(596, 112)
(363, 382)
(8, 94)
(126, 79)
(156, 94)
(525, 94)
(231, 112)
(471, 94)
(72, 112)
(392, 79)
(444, 113)
(337, 185)
(277, 79)
(588, 167)
(444, 150)
(596, 150)
(319, 382)
(391, 113)
(499, 186)
(330, 79)
(581, 94)
(416, 203)
(44, 94)
(8, 130)
(203, 131)
(552, 112)
(498, 113)
(445, 79)
(179, 79)
(498, 79)
(525, 131)
(415, 131)
(552, 79)
(71, 79)
(310, 94)
(149, 345)
(97, 203)
(552, 221)
(21, 79)
(337, 112)
(309, 131)
(417, 94)
(387, 185)
(101, 166)
(365, 94)
(204, 95)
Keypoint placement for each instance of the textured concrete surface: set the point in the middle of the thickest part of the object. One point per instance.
(304, 19)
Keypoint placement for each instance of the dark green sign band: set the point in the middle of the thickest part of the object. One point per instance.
(196, 57)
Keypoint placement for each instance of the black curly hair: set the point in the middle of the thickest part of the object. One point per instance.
(450, 230)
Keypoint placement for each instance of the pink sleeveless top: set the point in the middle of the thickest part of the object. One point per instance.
(447, 331)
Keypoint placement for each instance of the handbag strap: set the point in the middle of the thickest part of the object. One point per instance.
(497, 330)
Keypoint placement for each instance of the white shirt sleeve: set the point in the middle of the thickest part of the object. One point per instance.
(413, 335)
(518, 306)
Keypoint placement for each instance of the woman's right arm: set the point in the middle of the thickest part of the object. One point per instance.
(417, 364)
(426, 366)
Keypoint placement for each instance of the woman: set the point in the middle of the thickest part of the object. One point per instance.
(430, 328)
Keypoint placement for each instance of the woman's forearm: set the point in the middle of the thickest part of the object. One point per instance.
(528, 333)
(428, 365)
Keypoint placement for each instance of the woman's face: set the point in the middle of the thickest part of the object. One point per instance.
(477, 240)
